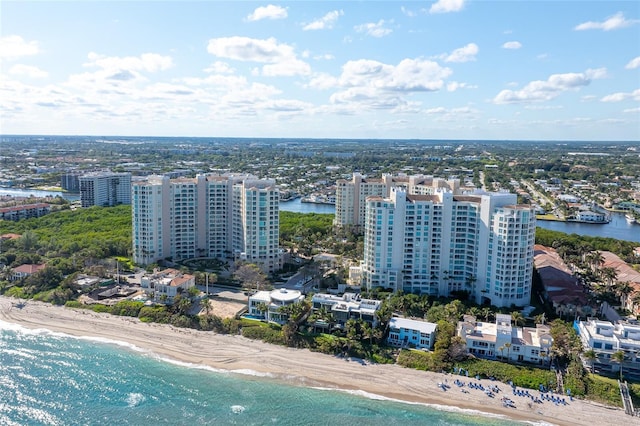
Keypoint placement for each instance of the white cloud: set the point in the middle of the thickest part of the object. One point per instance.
(445, 6)
(454, 85)
(250, 49)
(410, 75)
(633, 64)
(150, 62)
(268, 12)
(325, 57)
(632, 110)
(325, 23)
(323, 81)
(588, 98)
(621, 96)
(28, 71)
(280, 58)
(407, 12)
(372, 85)
(374, 29)
(219, 67)
(14, 46)
(543, 107)
(463, 54)
(287, 68)
(540, 90)
(512, 45)
(614, 22)
(453, 111)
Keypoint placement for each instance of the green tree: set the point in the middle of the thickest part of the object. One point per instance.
(251, 276)
(618, 357)
(508, 347)
(205, 304)
(590, 356)
(517, 318)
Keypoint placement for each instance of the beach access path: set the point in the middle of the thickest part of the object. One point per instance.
(301, 367)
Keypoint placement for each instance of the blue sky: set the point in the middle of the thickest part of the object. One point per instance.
(448, 69)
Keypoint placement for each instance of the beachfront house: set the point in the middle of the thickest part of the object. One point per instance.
(607, 338)
(499, 340)
(268, 305)
(23, 271)
(405, 332)
(346, 307)
(166, 284)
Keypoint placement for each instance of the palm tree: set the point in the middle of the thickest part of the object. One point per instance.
(517, 318)
(486, 313)
(262, 308)
(544, 355)
(474, 311)
(540, 319)
(508, 346)
(623, 289)
(636, 301)
(595, 259)
(609, 274)
(591, 356)
(501, 349)
(619, 358)
(204, 303)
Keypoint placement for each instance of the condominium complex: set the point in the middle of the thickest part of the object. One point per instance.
(606, 338)
(105, 189)
(446, 243)
(351, 195)
(230, 217)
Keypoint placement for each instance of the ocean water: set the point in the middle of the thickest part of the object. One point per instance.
(53, 379)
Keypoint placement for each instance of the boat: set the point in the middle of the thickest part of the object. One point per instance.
(630, 218)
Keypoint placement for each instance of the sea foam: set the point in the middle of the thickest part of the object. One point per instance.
(439, 407)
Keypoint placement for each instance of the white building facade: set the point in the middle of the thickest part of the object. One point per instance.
(405, 332)
(268, 305)
(346, 307)
(441, 243)
(607, 338)
(351, 195)
(226, 217)
(499, 340)
(105, 189)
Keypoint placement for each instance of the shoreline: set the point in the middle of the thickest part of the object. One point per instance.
(299, 367)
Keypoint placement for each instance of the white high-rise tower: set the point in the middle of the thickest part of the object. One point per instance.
(444, 243)
(220, 216)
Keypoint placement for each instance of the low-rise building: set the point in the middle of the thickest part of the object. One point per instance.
(589, 216)
(405, 332)
(630, 299)
(23, 271)
(607, 338)
(168, 282)
(560, 286)
(25, 211)
(346, 307)
(499, 340)
(268, 305)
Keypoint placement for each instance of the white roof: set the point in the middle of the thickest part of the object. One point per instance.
(262, 296)
(284, 295)
(421, 326)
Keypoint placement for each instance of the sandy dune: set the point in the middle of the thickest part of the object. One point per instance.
(300, 367)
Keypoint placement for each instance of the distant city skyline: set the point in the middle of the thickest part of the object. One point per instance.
(447, 69)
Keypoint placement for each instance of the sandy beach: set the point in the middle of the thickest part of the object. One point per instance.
(300, 367)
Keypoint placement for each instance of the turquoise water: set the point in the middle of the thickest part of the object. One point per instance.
(51, 379)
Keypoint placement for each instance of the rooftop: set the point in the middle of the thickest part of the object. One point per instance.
(421, 326)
